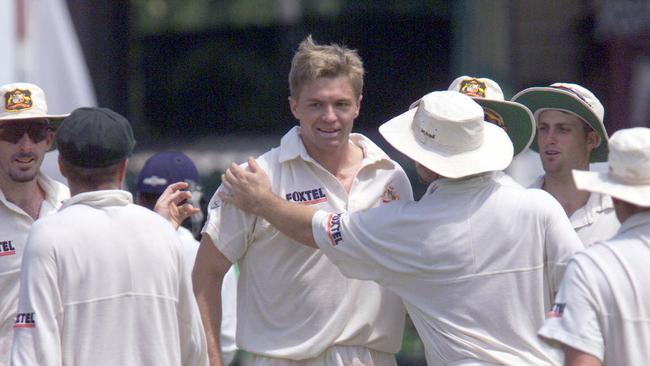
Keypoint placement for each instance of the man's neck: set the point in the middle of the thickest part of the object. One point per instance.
(563, 188)
(343, 164)
(27, 195)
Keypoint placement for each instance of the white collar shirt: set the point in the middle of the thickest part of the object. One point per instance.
(476, 263)
(603, 306)
(104, 283)
(293, 303)
(14, 227)
(595, 221)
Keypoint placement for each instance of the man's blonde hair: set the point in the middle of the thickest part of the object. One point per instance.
(313, 61)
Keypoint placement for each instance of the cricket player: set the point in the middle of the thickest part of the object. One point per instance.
(601, 315)
(294, 306)
(159, 171)
(570, 134)
(103, 280)
(475, 261)
(26, 194)
(515, 119)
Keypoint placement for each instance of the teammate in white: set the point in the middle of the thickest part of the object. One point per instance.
(476, 262)
(570, 134)
(25, 193)
(158, 172)
(294, 305)
(602, 312)
(103, 280)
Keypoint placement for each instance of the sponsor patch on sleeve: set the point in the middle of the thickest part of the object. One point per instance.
(556, 311)
(25, 320)
(334, 229)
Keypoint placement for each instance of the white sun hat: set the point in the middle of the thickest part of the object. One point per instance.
(628, 178)
(571, 98)
(445, 132)
(516, 119)
(24, 101)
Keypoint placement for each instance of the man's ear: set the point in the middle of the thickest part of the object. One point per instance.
(593, 140)
(293, 106)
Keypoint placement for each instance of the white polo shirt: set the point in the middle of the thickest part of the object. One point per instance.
(603, 307)
(293, 303)
(595, 221)
(228, 295)
(475, 261)
(14, 227)
(104, 283)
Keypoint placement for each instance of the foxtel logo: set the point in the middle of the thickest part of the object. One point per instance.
(7, 248)
(309, 197)
(25, 320)
(334, 229)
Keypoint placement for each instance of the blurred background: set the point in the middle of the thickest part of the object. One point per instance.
(209, 77)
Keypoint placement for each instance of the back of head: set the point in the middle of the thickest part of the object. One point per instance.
(313, 61)
(92, 141)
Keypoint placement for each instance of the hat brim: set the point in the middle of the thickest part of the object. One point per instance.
(24, 115)
(604, 183)
(494, 154)
(540, 98)
(518, 120)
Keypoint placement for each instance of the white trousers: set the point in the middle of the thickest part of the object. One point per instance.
(333, 356)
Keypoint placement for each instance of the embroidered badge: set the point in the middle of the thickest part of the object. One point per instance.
(473, 88)
(18, 100)
(389, 194)
(493, 117)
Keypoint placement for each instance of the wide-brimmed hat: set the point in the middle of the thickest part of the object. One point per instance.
(514, 118)
(573, 99)
(628, 178)
(25, 101)
(445, 132)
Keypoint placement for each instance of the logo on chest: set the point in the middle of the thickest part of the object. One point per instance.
(309, 197)
(25, 320)
(7, 248)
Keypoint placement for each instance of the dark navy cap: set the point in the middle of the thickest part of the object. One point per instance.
(94, 138)
(164, 169)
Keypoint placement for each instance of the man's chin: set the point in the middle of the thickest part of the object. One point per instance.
(23, 177)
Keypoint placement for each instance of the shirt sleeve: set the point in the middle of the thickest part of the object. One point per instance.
(229, 228)
(193, 345)
(362, 244)
(573, 320)
(37, 326)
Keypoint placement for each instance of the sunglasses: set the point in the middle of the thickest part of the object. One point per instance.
(13, 131)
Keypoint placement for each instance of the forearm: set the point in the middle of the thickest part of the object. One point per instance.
(207, 290)
(291, 219)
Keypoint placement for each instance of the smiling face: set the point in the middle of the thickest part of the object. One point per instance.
(20, 161)
(565, 142)
(326, 108)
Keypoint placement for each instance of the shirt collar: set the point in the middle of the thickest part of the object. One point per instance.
(55, 192)
(638, 219)
(291, 147)
(99, 199)
(586, 215)
(461, 184)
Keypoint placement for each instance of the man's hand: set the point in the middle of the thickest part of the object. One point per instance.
(171, 204)
(249, 190)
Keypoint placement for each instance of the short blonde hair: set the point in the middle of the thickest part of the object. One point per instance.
(313, 61)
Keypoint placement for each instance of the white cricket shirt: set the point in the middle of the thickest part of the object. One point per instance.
(228, 295)
(293, 303)
(595, 221)
(475, 261)
(103, 283)
(603, 307)
(14, 227)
